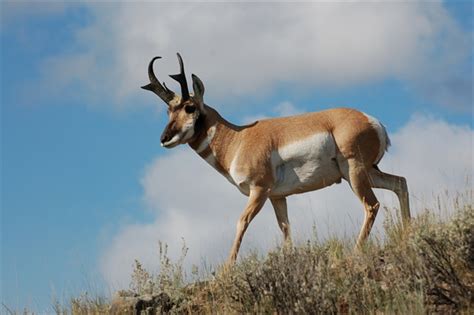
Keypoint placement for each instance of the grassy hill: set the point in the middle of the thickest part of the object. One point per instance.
(426, 268)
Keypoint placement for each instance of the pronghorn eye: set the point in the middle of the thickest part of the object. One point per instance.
(189, 109)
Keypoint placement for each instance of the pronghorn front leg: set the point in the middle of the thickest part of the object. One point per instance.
(281, 212)
(257, 198)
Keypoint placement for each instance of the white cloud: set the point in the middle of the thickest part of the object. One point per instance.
(433, 155)
(286, 109)
(282, 109)
(251, 48)
(192, 201)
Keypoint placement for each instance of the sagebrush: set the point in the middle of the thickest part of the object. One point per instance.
(425, 268)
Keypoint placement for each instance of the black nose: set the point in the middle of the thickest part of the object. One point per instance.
(165, 137)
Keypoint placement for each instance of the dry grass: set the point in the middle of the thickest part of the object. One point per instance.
(426, 268)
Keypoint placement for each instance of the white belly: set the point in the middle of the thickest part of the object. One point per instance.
(305, 165)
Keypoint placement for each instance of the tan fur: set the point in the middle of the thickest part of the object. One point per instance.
(353, 134)
(275, 158)
(358, 147)
(281, 212)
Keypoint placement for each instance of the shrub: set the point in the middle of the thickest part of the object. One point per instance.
(425, 268)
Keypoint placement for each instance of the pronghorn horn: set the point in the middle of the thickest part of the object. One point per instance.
(155, 86)
(181, 78)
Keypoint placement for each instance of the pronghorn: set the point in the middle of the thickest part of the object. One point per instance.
(275, 158)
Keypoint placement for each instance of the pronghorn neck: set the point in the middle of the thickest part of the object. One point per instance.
(207, 127)
(214, 139)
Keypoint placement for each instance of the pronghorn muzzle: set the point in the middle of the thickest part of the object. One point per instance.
(170, 137)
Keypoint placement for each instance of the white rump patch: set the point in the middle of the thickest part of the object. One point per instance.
(381, 134)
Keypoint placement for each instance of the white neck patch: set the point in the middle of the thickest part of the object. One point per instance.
(207, 141)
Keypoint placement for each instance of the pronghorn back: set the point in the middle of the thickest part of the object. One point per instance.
(302, 153)
(354, 132)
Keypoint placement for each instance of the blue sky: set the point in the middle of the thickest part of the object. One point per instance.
(81, 163)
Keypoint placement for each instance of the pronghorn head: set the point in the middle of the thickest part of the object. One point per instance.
(183, 111)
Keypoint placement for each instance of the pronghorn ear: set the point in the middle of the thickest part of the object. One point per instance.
(198, 88)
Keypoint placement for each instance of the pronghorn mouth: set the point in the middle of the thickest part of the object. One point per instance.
(171, 143)
(177, 139)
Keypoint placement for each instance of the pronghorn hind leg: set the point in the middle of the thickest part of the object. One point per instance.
(398, 185)
(360, 183)
(257, 198)
(281, 212)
